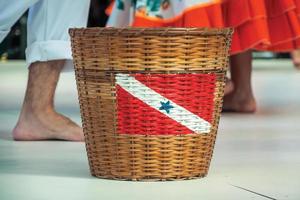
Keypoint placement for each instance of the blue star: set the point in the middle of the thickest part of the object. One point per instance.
(166, 106)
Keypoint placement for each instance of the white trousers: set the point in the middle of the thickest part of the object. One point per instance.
(47, 27)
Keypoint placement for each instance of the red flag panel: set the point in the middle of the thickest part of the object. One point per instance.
(194, 92)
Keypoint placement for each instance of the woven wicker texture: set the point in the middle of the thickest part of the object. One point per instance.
(126, 137)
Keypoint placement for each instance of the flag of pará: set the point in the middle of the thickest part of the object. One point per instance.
(165, 104)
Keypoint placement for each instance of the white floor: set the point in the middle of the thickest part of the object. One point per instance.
(256, 156)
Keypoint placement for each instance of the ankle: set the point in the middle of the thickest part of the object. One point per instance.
(243, 93)
(31, 111)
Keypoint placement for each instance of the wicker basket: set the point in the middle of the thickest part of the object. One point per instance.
(150, 99)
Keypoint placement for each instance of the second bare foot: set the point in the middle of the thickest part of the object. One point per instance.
(239, 102)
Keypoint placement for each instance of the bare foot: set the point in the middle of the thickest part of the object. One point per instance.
(296, 58)
(46, 126)
(38, 119)
(228, 86)
(239, 102)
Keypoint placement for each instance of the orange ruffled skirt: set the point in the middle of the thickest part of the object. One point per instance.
(258, 24)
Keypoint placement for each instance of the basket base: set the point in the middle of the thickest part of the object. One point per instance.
(150, 178)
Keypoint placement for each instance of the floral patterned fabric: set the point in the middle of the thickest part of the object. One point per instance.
(125, 10)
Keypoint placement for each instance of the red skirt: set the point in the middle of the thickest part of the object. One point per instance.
(258, 24)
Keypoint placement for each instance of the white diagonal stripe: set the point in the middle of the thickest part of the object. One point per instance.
(154, 99)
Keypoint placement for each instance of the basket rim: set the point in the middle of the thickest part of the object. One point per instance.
(161, 31)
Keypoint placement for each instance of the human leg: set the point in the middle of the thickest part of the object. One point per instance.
(241, 99)
(48, 48)
(38, 119)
